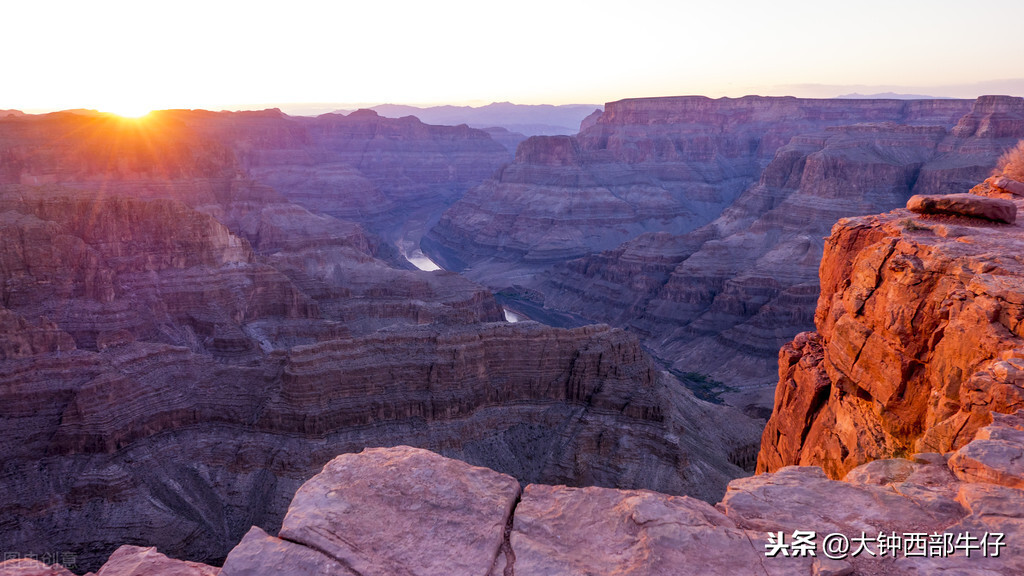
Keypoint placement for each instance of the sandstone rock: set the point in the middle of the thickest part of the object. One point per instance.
(995, 455)
(19, 338)
(803, 498)
(403, 511)
(559, 530)
(259, 554)
(993, 117)
(136, 561)
(965, 205)
(1010, 185)
(645, 165)
(722, 299)
(919, 334)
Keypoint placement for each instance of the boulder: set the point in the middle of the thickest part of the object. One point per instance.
(994, 209)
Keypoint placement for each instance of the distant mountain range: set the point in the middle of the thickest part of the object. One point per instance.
(530, 120)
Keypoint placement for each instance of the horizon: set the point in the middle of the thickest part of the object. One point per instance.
(311, 109)
(127, 58)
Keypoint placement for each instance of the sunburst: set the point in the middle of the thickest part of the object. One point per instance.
(130, 111)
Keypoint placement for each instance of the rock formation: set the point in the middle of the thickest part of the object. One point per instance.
(180, 352)
(722, 299)
(403, 510)
(183, 346)
(918, 338)
(361, 167)
(644, 165)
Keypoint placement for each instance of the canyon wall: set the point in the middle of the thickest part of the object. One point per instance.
(722, 299)
(644, 165)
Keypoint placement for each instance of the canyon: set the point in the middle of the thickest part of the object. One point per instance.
(186, 337)
(698, 224)
(210, 334)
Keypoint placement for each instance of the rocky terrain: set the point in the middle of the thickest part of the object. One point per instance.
(182, 344)
(187, 337)
(721, 299)
(903, 411)
(403, 510)
(644, 165)
(378, 172)
(918, 337)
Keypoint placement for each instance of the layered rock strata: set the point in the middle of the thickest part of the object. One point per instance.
(644, 165)
(722, 299)
(153, 444)
(182, 346)
(165, 400)
(918, 339)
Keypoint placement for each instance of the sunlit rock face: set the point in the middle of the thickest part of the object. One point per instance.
(918, 339)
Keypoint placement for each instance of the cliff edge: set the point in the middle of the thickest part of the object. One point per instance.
(919, 335)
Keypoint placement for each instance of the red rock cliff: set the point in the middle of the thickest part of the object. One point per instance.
(919, 340)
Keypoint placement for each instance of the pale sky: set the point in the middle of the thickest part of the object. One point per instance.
(135, 55)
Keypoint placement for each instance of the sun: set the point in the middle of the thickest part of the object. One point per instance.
(130, 111)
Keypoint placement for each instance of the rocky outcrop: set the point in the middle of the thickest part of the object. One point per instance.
(400, 503)
(918, 341)
(722, 299)
(992, 209)
(137, 561)
(403, 510)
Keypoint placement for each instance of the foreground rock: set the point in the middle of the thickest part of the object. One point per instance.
(396, 511)
(136, 561)
(408, 511)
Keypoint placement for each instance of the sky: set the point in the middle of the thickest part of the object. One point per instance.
(130, 57)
